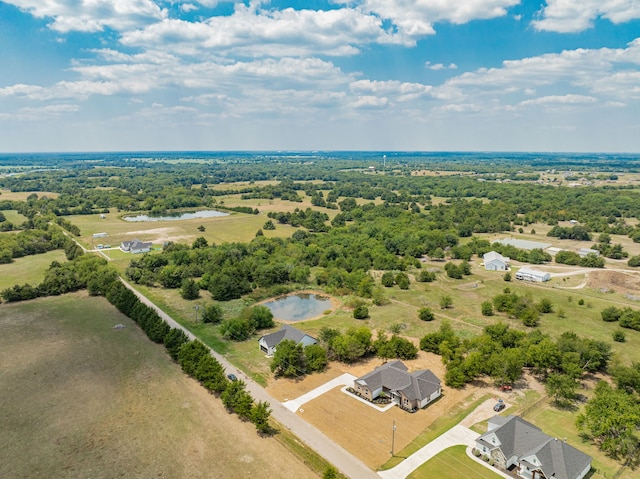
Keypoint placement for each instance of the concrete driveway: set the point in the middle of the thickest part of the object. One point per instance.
(453, 437)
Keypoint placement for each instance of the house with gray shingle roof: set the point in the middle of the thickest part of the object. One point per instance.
(269, 342)
(515, 444)
(135, 246)
(410, 391)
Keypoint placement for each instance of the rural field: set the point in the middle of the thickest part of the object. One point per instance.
(81, 399)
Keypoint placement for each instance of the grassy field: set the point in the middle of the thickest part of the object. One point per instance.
(81, 399)
(235, 227)
(22, 195)
(29, 269)
(14, 217)
(453, 462)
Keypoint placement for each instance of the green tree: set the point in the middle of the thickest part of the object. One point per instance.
(212, 314)
(190, 354)
(388, 279)
(425, 314)
(545, 306)
(189, 289)
(269, 226)
(316, 357)
(289, 360)
(619, 336)
(611, 418)
(486, 308)
(361, 311)
(173, 340)
(562, 388)
(261, 317)
(200, 242)
(402, 280)
(237, 329)
(426, 276)
(260, 414)
(611, 314)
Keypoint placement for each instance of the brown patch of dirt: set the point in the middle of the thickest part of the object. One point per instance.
(157, 235)
(361, 429)
(617, 281)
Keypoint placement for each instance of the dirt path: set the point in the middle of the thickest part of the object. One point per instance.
(345, 462)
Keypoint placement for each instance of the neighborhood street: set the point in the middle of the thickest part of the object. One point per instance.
(345, 462)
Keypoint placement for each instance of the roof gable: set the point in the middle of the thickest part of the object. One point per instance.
(286, 332)
(533, 447)
(395, 377)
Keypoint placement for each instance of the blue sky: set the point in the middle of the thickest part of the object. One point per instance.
(491, 75)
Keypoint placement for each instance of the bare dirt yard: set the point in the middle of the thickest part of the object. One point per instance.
(82, 399)
(362, 429)
(618, 281)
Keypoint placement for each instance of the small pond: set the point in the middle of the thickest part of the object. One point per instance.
(298, 307)
(176, 217)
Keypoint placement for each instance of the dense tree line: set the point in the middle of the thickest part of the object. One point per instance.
(501, 353)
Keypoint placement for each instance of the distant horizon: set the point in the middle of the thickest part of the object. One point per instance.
(310, 151)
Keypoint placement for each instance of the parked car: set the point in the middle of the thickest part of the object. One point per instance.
(500, 405)
(232, 377)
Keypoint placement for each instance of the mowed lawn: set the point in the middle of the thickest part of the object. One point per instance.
(450, 463)
(82, 399)
(29, 269)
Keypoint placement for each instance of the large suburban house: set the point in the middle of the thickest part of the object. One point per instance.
(495, 261)
(269, 342)
(517, 445)
(527, 274)
(135, 246)
(410, 391)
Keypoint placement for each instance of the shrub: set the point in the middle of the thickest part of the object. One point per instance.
(487, 308)
(619, 336)
(446, 302)
(388, 279)
(425, 314)
(361, 312)
(507, 276)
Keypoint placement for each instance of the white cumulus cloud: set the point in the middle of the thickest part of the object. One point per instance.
(566, 16)
(92, 15)
(253, 32)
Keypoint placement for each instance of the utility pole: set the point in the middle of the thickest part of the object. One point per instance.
(393, 436)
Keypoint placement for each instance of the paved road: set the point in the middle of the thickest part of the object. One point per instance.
(344, 461)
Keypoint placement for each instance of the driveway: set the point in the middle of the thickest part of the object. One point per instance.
(344, 380)
(456, 435)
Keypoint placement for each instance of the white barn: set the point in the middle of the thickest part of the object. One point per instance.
(526, 274)
(495, 261)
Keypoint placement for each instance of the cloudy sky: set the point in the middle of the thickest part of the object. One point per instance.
(504, 75)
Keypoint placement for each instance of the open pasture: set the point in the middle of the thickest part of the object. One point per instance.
(23, 195)
(29, 269)
(81, 399)
(14, 217)
(235, 227)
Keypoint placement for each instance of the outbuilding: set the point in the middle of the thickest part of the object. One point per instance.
(527, 274)
(495, 261)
